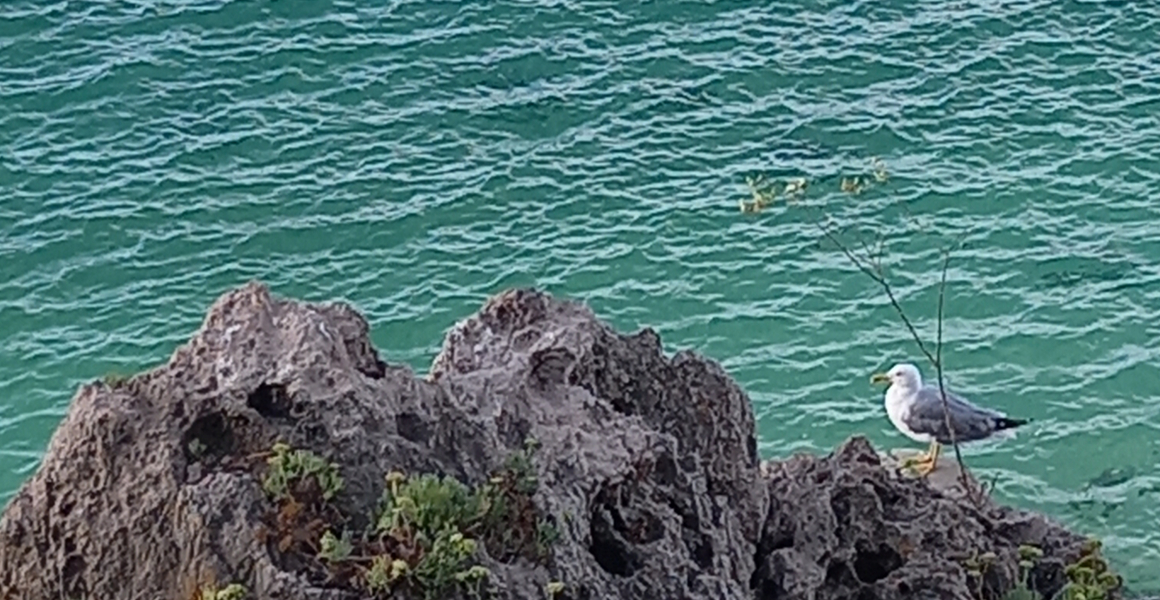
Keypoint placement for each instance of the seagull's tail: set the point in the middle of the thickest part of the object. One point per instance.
(1007, 423)
(1005, 427)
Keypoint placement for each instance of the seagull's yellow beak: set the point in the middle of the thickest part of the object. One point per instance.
(879, 378)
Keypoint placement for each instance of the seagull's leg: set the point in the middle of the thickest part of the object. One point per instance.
(931, 461)
(929, 455)
(922, 458)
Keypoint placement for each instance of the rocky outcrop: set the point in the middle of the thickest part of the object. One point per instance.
(853, 528)
(644, 482)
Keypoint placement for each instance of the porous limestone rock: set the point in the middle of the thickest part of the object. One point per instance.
(653, 460)
(857, 525)
(647, 465)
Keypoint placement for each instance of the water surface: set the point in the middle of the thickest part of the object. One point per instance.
(417, 156)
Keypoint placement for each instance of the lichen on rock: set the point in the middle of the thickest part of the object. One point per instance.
(277, 453)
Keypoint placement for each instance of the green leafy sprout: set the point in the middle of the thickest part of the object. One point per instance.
(288, 465)
(233, 591)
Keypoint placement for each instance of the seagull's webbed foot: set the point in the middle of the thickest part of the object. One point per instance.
(925, 467)
(916, 460)
(925, 462)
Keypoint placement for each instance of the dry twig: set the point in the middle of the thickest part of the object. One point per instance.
(871, 266)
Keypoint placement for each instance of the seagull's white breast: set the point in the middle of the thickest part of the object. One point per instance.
(896, 410)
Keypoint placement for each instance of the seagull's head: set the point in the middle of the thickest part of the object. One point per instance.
(902, 375)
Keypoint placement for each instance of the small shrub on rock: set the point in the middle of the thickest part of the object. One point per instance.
(427, 530)
(288, 467)
(1090, 577)
(233, 591)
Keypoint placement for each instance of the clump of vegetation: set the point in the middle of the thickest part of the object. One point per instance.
(196, 448)
(115, 380)
(1028, 556)
(288, 467)
(425, 534)
(765, 192)
(1090, 578)
(333, 548)
(429, 528)
(302, 485)
(233, 591)
(977, 565)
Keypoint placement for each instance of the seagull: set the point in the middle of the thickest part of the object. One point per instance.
(916, 410)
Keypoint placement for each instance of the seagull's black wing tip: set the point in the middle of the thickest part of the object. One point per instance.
(1007, 423)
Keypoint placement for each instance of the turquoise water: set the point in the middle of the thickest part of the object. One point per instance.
(417, 157)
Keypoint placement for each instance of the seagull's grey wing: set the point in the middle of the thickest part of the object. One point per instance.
(970, 422)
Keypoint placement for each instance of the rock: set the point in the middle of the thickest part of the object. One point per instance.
(857, 525)
(644, 481)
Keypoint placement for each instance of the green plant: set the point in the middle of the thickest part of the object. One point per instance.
(233, 591)
(429, 528)
(519, 466)
(977, 565)
(1022, 592)
(1028, 556)
(114, 379)
(378, 577)
(196, 448)
(546, 536)
(433, 514)
(333, 548)
(444, 564)
(399, 569)
(427, 503)
(287, 466)
(384, 572)
(472, 579)
(1089, 578)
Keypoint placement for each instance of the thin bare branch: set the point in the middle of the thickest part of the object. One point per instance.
(906, 321)
(942, 289)
(878, 275)
(871, 257)
(850, 255)
(872, 267)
